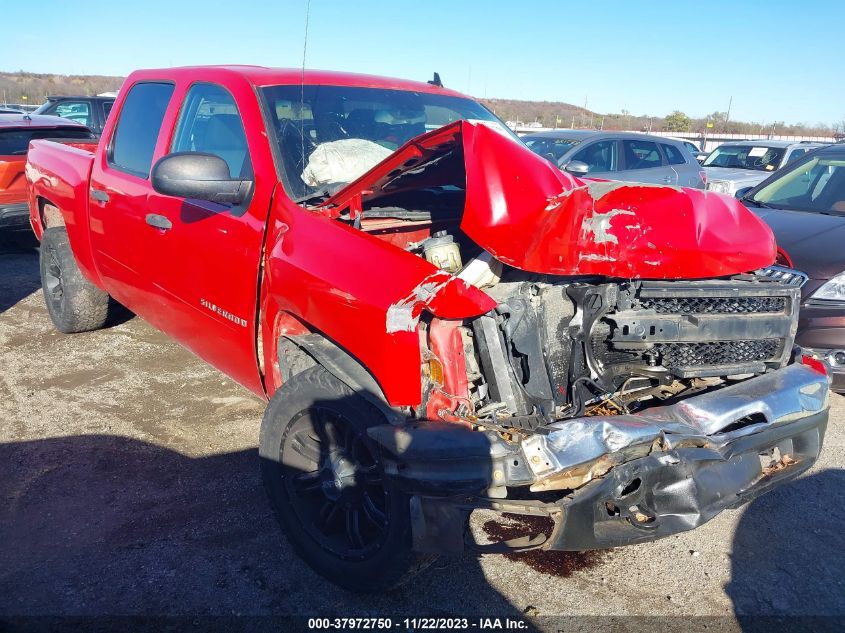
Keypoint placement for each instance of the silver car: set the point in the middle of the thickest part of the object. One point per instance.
(624, 156)
(739, 165)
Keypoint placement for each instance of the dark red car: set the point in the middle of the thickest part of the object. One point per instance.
(16, 131)
(804, 204)
(440, 319)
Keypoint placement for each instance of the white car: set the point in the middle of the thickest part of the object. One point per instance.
(737, 165)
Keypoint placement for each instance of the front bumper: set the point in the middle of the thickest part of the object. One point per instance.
(14, 216)
(618, 479)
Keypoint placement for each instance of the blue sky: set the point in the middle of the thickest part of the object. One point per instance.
(648, 57)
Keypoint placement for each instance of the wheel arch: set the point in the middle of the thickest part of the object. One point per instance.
(49, 214)
(297, 352)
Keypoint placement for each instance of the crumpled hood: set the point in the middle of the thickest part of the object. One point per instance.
(532, 216)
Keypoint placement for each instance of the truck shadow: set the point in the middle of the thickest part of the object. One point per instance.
(788, 555)
(21, 275)
(19, 264)
(99, 525)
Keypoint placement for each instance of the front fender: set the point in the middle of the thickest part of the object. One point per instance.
(363, 294)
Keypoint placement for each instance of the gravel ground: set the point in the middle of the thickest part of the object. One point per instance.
(129, 486)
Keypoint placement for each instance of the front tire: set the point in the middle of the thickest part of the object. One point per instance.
(327, 486)
(73, 302)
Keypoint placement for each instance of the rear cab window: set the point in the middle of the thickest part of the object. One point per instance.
(138, 126)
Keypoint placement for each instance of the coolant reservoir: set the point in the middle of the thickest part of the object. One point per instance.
(442, 251)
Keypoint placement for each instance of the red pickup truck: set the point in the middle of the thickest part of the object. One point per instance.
(440, 319)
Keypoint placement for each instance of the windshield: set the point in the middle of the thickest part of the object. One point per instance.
(330, 135)
(551, 147)
(16, 142)
(816, 184)
(746, 157)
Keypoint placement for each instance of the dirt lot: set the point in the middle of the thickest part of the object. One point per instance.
(129, 485)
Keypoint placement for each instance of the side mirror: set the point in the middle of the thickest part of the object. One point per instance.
(198, 175)
(577, 168)
(740, 193)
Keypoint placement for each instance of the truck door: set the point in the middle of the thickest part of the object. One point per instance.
(202, 257)
(118, 196)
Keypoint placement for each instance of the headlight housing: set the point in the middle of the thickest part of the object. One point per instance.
(720, 186)
(832, 290)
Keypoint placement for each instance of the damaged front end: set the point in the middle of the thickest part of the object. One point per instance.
(603, 358)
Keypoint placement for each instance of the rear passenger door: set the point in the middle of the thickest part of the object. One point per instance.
(119, 187)
(643, 162)
(686, 174)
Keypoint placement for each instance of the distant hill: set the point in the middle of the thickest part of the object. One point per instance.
(33, 88)
(561, 114)
(548, 113)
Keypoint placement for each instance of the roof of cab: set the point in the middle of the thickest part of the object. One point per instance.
(36, 121)
(264, 76)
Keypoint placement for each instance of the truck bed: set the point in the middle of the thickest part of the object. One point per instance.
(58, 171)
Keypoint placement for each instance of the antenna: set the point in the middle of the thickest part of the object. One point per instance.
(302, 85)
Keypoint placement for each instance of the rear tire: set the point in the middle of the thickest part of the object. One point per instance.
(73, 302)
(327, 487)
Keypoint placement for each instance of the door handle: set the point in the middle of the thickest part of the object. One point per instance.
(159, 221)
(99, 195)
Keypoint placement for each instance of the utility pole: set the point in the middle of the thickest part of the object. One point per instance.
(585, 108)
(728, 115)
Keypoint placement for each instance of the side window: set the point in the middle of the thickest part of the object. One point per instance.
(641, 154)
(79, 111)
(138, 127)
(673, 155)
(107, 108)
(210, 123)
(599, 156)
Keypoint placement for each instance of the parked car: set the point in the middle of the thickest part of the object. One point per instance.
(91, 112)
(738, 164)
(16, 131)
(7, 110)
(804, 204)
(695, 150)
(624, 156)
(400, 276)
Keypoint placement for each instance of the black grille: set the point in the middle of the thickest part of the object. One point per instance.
(713, 305)
(681, 355)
